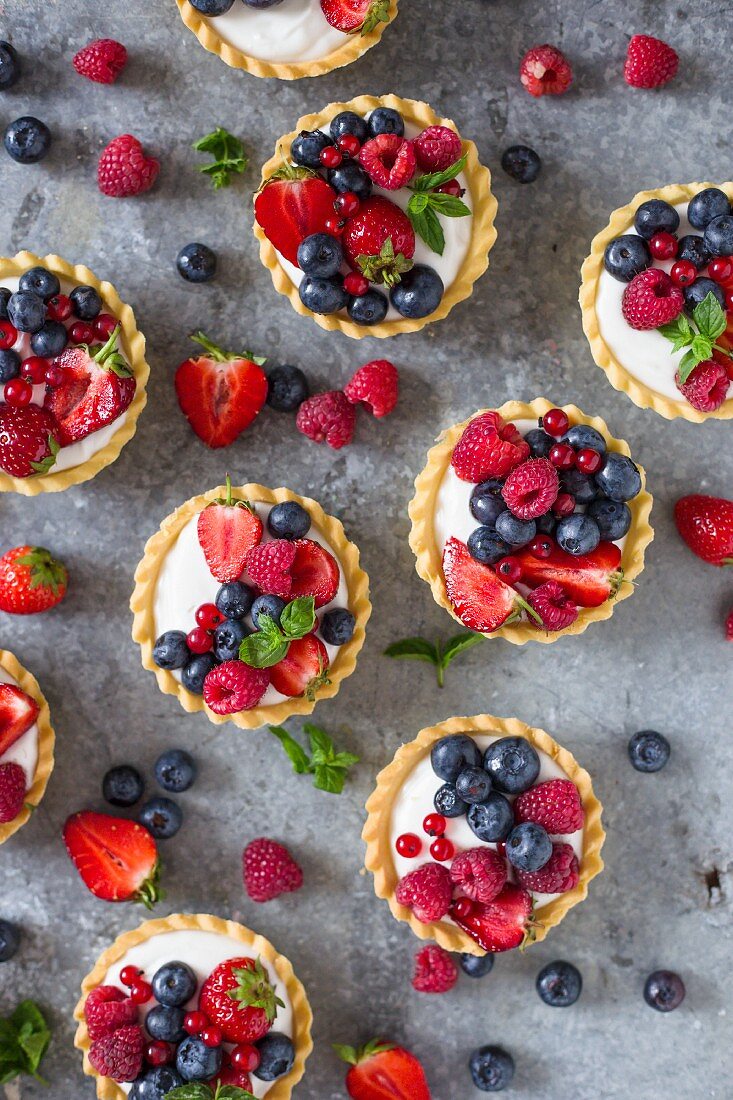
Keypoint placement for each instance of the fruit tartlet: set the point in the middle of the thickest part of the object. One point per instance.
(288, 39)
(193, 999)
(530, 522)
(482, 834)
(657, 300)
(375, 217)
(26, 745)
(250, 605)
(72, 374)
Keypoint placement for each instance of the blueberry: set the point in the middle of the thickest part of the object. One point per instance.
(513, 764)
(492, 820)
(5, 296)
(447, 802)
(698, 291)
(419, 292)
(450, 755)
(583, 435)
(196, 263)
(656, 216)
(528, 847)
(123, 785)
(539, 442)
(521, 163)
(485, 545)
(9, 364)
(626, 256)
(719, 236)
(288, 520)
(175, 770)
(86, 302)
(692, 248)
(277, 1055)
(323, 295)
(546, 524)
(41, 282)
(514, 531)
(384, 120)
(234, 599)
(156, 1084)
(649, 751)
(197, 1062)
(337, 626)
(487, 502)
(308, 146)
(350, 176)
(706, 205)
(267, 605)
(320, 255)
(9, 66)
(473, 785)
(9, 940)
(262, 3)
(368, 309)
(166, 1023)
(228, 637)
(196, 670)
(26, 310)
(50, 340)
(476, 966)
(492, 1068)
(348, 122)
(287, 388)
(577, 534)
(174, 984)
(619, 479)
(581, 486)
(664, 990)
(27, 140)
(162, 817)
(612, 516)
(559, 984)
(171, 650)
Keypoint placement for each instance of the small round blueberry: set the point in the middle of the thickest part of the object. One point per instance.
(655, 216)
(368, 309)
(612, 516)
(626, 257)
(287, 388)
(27, 140)
(196, 670)
(175, 770)
(234, 599)
(451, 754)
(196, 263)
(486, 501)
(197, 1062)
(492, 1068)
(514, 531)
(528, 847)
(649, 751)
(9, 66)
(162, 817)
(212, 7)
(521, 163)
(155, 1084)
(476, 966)
(123, 785)
(559, 984)
(85, 302)
(50, 340)
(166, 1023)
(9, 364)
(9, 940)
(277, 1055)
(581, 436)
(5, 296)
(539, 442)
(307, 148)
(418, 293)
(26, 310)
(719, 236)
(692, 247)
(664, 990)
(619, 479)
(492, 820)
(485, 545)
(174, 984)
(579, 485)
(697, 292)
(706, 205)
(171, 650)
(228, 637)
(577, 534)
(350, 176)
(269, 605)
(320, 255)
(41, 282)
(447, 802)
(473, 785)
(288, 520)
(513, 764)
(337, 626)
(323, 295)
(385, 120)
(348, 122)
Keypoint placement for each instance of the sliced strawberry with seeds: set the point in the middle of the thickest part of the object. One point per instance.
(227, 530)
(588, 580)
(116, 858)
(220, 393)
(383, 1071)
(293, 204)
(29, 440)
(480, 599)
(18, 712)
(303, 671)
(501, 924)
(355, 15)
(314, 572)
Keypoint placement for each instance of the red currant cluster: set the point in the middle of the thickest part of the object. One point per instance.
(410, 845)
(201, 638)
(665, 246)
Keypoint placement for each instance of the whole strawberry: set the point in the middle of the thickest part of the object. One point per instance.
(268, 870)
(28, 440)
(12, 791)
(706, 525)
(239, 997)
(101, 61)
(327, 418)
(375, 385)
(435, 971)
(379, 240)
(124, 170)
(545, 71)
(31, 580)
(649, 62)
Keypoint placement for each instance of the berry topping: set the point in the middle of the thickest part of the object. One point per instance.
(626, 256)
(649, 751)
(314, 572)
(706, 387)
(705, 523)
(426, 891)
(480, 873)
(481, 599)
(239, 997)
(389, 161)
(649, 62)
(663, 246)
(435, 971)
(327, 418)
(355, 15)
(119, 1055)
(101, 61)
(228, 529)
(436, 148)
(117, 859)
(293, 204)
(29, 440)
(531, 488)
(501, 924)
(554, 804)
(31, 580)
(234, 686)
(269, 870)
(288, 520)
(408, 845)
(488, 448)
(268, 566)
(553, 605)
(588, 579)
(304, 669)
(545, 71)
(558, 874)
(379, 240)
(655, 216)
(18, 712)
(434, 824)
(442, 849)
(513, 764)
(220, 392)
(106, 1009)
(376, 385)
(12, 791)
(97, 387)
(124, 169)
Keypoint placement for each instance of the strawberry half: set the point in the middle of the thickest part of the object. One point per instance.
(706, 525)
(355, 15)
(314, 572)
(220, 393)
(18, 712)
(501, 924)
(303, 670)
(481, 599)
(383, 1071)
(588, 580)
(292, 204)
(227, 530)
(116, 858)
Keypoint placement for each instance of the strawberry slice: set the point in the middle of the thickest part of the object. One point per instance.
(588, 580)
(116, 858)
(383, 1071)
(97, 386)
(501, 924)
(220, 393)
(228, 529)
(314, 572)
(481, 599)
(303, 670)
(18, 712)
(292, 204)
(355, 15)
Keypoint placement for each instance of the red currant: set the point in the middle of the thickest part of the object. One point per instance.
(141, 991)
(346, 204)
(81, 333)
(452, 187)
(209, 616)
(555, 422)
(59, 308)
(54, 376)
(720, 269)
(564, 504)
(199, 640)
(509, 570)
(356, 284)
(159, 1053)
(334, 226)
(129, 975)
(195, 1022)
(408, 845)
(245, 1057)
(330, 157)
(441, 849)
(541, 547)
(8, 335)
(562, 455)
(212, 1036)
(104, 326)
(34, 369)
(349, 144)
(663, 246)
(462, 907)
(683, 273)
(729, 300)
(501, 848)
(18, 391)
(434, 824)
(588, 460)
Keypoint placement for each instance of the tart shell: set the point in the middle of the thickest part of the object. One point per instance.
(46, 740)
(483, 233)
(619, 377)
(143, 599)
(281, 1089)
(133, 345)
(353, 47)
(428, 554)
(377, 830)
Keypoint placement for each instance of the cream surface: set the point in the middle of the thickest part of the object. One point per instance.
(25, 749)
(293, 30)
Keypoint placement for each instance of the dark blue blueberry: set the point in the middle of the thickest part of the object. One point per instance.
(50, 340)
(706, 205)
(656, 216)
(228, 637)
(612, 516)
(384, 120)
(528, 847)
(156, 1084)
(337, 626)
(484, 545)
(26, 310)
(368, 309)
(9, 66)
(277, 1055)
(234, 599)
(447, 802)
(521, 163)
(539, 442)
(9, 940)
(473, 785)
(626, 256)
(492, 820)
(492, 1068)
(123, 785)
(171, 650)
(649, 751)
(197, 1062)
(320, 255)
(692, 248)
(452, 754)
(308, 146)
(619, 479)
(664, 990)
(27, 140)
(514, 531)
(577, 534)
(196, 262)
(546, 524)
(476, 966)
(350, 176)
(162, 817)
(288, 520)
(719, 236)
(583, 435)
(196, 670)
(418, 293)
(175, 770)
(287, 388)
(348, 122)
(487, 502)
(559, 984)
(9, 364)
(513, 764)
(86, 302)
(41, 282)
(323, 295)
(166, 1023)
(267, 605)
(5, 296)
(262, 3)
(698, 291)
(581, 486)
(174, 984)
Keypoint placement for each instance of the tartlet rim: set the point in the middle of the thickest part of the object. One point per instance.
(27, 682)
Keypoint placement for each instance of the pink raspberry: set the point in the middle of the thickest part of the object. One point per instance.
(119, 1055)
(554, 804)
(389, 160)
(12, 791)
(560, 874)
(107, 1009)
(435, 971)
(268, 567)
(327, 418)
(706, 387)
(124, 169)
(427, 891)
(376, 385)
(487, 448)
(480, 873)
(437, 148)
(651, 299)
(234, 686)
(545, 71)
(553, 606)
(531, 489)
(268, 870)
(101, 61)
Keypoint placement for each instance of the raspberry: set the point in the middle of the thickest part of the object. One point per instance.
(559, 874)
(376, 384)
(531, 489)
(706, 387)
(120, 1055)
(12, 791)
(124, 169)
(488, 448)
(233, 686)
(107, 1009)
(327, 417)
(729, 627)
(545, 71)
(388, 160)
(101, 61)
(553, 606)
(427, 891)
(437, 148)
(649, 62)
(435, 971)
(268, 870)
(267, 565)
(480, 872)
(555, 805)
(651, 299)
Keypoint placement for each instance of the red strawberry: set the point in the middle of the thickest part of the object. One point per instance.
(560, 874)
(227, 529)
(239, 997)
(31, 580)
(481, 599)
(314, 572)
(487, 448)
(649, 62)
(435, 971)
(18, 712)
(12, 791)
(292, 204)
(383, 1071)
(588, 580)
(106, 1009)
(501, 924)
(97, 386)
(379, 241)
(234, 686)
(268, 870)
(375, 385)
(426, 891)
(706, 525)
(355, 15)
(554, 804)
(29, 440)
(303, 671)
(268, 566)
(116, 858)
(220, 393)
(119, 1055)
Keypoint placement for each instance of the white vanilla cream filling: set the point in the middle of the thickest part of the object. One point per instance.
(294, 30)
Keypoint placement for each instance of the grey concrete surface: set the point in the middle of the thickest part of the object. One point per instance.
(661, 661)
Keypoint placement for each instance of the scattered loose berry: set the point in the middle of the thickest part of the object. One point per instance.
(268, 870)
(408, 845)
(426, 891)
(101, 61)
(434, 824)
(492, 1068)
(31, 580)
(706, 387)
(651, 299)
(327, 418)
(545, 71)
(664, 990)
(435, 971)
(521, 163)
(706, 525)
(441, 849)
(553, 605)
(389, 161)
(124, 169)
(437, 148)
(375, 385)
(649, 751)
(559, 984)
(649, 62)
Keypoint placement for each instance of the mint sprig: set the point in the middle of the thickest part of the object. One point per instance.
(698, 336)
(426, 203)
(228, 153)
(328, 767)
(269, 645)
(199, 1090)
(24, 1039)
(440, 655)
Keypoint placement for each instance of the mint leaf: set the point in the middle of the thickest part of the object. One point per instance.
(448, 205)
(194, 1090)
(436, 179)
(320, 742)
(228, 153)
(710, 317)
(298, 617)
(702, 347)
(297, 754)
(418, 649)
(426, 225)
(329, 779)
(327, 766)
(459, 643)
(233, 1092)
(263, 649)
(24, 1039)
(687, 365)
(415, 649)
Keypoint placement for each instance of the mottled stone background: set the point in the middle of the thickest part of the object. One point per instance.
(661, 661)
